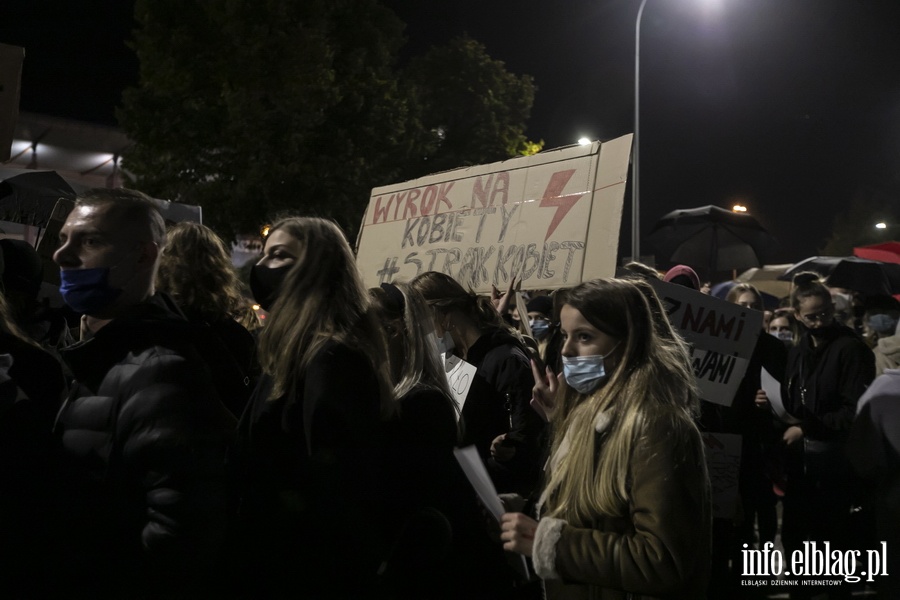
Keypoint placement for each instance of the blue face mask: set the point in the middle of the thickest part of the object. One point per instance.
(87, 291)
(445, 344)
(540, 328)
(585, 373)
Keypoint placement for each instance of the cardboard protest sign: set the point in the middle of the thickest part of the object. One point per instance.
(722, 336)
(176, 212)
(11, 58)
(723, 461)
(551, 219)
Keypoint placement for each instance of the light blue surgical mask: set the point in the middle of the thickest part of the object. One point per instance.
(539, 328)
(443, 344)
(585, 373)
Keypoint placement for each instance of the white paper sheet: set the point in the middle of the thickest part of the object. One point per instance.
(460, 375)
(478, 476)
(772, 388)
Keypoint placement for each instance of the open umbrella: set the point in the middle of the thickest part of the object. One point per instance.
(869, 277)
(885, 252)
(721, 289)
(765, 279)
(28, 196)
(712, 239)
(823, 265)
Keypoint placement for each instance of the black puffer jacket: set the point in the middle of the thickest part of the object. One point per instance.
(143, 438)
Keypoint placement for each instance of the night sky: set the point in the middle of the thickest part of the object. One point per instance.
(790, 107)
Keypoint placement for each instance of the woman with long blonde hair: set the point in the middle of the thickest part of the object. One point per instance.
(626, 506)
(428, 498)
(310, 443)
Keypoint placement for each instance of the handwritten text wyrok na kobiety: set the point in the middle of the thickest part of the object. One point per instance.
(472, 243)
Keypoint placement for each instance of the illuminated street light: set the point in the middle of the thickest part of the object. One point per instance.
(584, 141)
(739, 208)
(881, 225)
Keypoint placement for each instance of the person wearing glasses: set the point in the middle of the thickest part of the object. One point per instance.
(827, 371)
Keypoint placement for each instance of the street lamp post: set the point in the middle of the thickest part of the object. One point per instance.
(635, 162)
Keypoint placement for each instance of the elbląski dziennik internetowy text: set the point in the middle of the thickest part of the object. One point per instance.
(815, 560)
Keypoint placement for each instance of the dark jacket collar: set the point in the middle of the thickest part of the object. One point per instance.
(488, 341)
(156, 321)
(809, 354)
(828, 335)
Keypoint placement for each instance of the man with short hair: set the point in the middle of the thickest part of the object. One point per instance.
(143, 434)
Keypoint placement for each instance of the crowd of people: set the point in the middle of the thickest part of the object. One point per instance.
(163, 443)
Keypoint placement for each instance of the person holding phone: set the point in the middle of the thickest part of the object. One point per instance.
(470, 327)
(626, 505)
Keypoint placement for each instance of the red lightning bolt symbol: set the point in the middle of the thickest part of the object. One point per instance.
(553, 197)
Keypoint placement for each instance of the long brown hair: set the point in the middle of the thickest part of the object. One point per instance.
(195, 269)
(653, 378)
(322, 298)
(739, 289)
(444, 294)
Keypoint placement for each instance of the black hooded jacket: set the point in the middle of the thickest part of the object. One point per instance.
(834, 374)
(499, 403)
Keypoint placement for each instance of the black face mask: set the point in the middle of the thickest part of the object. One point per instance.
(265, 284)
(820, 331)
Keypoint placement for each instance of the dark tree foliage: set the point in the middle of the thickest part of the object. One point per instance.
(250, 108)
(472, 110)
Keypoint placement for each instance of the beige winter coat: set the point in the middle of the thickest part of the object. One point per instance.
(660, 549)
(887, 354)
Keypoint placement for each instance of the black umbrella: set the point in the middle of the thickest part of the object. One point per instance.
(28, 197)
(869, 277)
(823, 265)
(711, 238)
